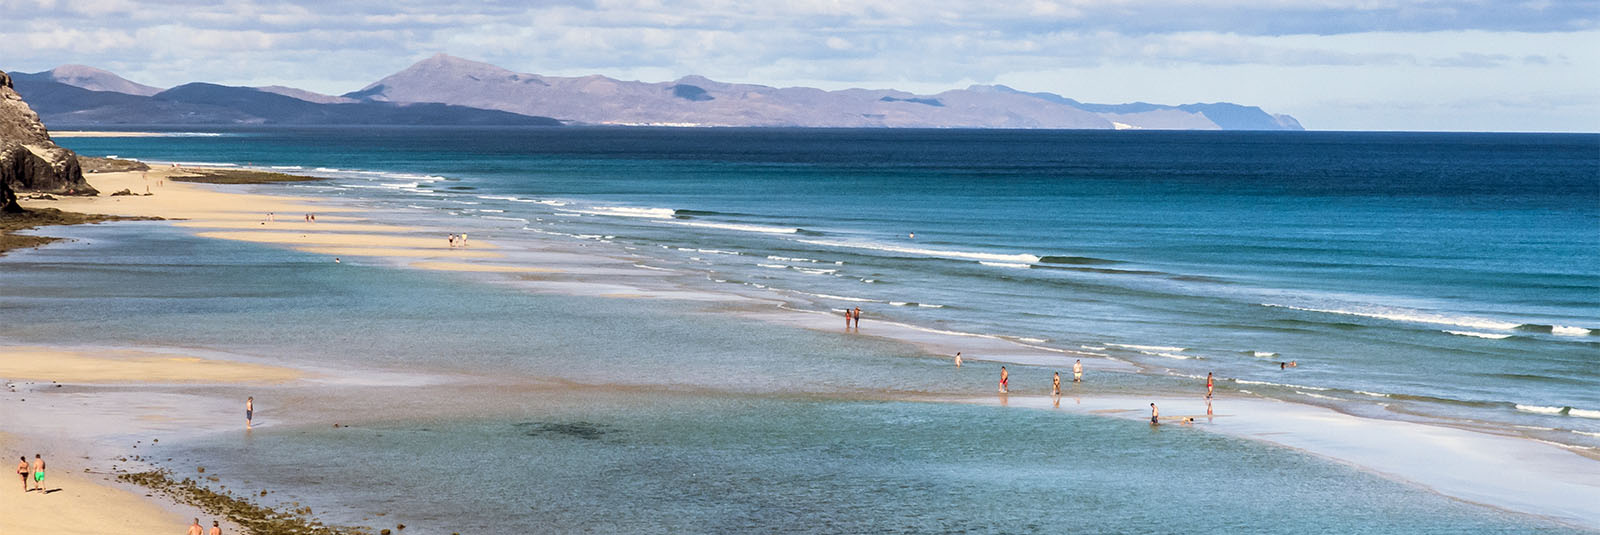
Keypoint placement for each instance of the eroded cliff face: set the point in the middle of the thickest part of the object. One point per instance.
(29, 160)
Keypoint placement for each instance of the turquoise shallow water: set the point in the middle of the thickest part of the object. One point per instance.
(670, 464)
(739, 426)
(1451, 275)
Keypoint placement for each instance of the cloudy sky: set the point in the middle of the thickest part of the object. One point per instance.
(1508, 65)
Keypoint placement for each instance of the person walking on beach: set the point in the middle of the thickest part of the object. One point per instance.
(1210, 384)
(1077, 371)
(1005, 379)
(38, 472)
(1155, 415)
(215, 529)
(847, 319)
(22, 469)
(194, 529)
(958, 359)
(249, 411)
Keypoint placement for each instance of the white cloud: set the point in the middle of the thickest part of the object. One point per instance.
(1287, 55)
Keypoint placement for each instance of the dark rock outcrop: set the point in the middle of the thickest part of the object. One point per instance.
(92, 164)
(8, 200)
(29, 160)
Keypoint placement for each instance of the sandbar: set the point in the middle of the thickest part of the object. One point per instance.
(101, 366)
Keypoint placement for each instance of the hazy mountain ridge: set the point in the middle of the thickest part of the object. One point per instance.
(201, 103)
(448, 90)
(696, 100)
(90, 78)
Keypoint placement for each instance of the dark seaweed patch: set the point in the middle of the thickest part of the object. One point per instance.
(583, 430)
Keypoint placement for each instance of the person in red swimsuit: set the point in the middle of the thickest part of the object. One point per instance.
(1209, 385)
(1005, 379)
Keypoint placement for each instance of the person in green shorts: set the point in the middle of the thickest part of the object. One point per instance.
(38, 472)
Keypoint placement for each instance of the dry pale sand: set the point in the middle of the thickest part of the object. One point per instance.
(216, 213)
(81, 504)
(129, 366)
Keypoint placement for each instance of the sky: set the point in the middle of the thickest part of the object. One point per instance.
(1473, 65)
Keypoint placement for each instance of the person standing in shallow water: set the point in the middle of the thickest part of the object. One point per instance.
(1155, 414)
(1210, 384)
(249, 411)
(1005, 380)
(858, 317)
(1055, 384)
(958, 359)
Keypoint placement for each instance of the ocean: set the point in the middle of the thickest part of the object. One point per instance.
(1439, 278)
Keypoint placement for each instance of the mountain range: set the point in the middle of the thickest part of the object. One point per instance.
(445, 90)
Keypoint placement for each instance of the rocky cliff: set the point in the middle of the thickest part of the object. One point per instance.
(29, 160)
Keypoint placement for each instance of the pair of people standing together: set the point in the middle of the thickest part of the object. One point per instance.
(33, 472)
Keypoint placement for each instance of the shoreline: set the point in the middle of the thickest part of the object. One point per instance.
(219, 213)
(106, 133)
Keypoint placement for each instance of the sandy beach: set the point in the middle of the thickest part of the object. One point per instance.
(79, 503)
(1530, 477)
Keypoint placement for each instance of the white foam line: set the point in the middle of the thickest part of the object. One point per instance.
(1412, 316)
(1583, 413)
(1319, 396)
(840, 297)
(626, 211)
(1169, 349)
(1539, 409)
(1490, 336)
(1285, 385)
(734, 226)
(1565, 330)
(1012, 265)
(938, 253)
